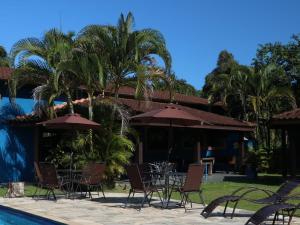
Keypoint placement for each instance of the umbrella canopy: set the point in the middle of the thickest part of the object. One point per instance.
(70, 121)
(169, 114)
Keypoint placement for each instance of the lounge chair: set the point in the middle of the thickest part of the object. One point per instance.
(265, 212)
(241, 194)
(138, 185)
(91, 178)
(192, 184)
(47, 178)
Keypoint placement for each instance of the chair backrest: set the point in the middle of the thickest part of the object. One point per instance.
(287, 187)
(47, 173)
(194, 177)
(94, 172)
(135, 177)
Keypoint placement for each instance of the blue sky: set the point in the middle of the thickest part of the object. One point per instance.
(195, 30)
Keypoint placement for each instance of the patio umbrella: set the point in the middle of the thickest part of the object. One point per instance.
(70, 122)
(170, 115)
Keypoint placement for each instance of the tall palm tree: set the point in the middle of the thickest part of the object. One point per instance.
(37, 62)
(88, 72)
(126, 50)
(269, 91)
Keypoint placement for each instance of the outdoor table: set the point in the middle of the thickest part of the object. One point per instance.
(69, 178)
(172, 179)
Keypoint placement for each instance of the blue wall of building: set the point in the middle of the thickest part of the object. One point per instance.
(16, 143)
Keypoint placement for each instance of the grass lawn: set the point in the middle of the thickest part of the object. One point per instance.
(211, 190)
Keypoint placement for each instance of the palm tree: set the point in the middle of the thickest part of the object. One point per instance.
(88, 72)
(4, 60)
(269, 91)
(126, 51)
(37, 62)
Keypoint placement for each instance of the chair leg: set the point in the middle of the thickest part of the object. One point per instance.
(149, 199)
(185, 201)
(159, 197)
(53, 194)
(35, 192)
(275, 217)
(234, 208)
(142, 204)
(202, 197)
(101, 186)
(182, 199)
(169, 197)
(225, 208)
(127, 200)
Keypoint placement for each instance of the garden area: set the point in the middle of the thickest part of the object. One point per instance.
(104, 107)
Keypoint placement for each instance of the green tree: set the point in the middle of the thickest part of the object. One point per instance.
(285, 56)
(225, 64)
(128, 53)
(88, 72)
(37, 63)
(269, 93)
(4, 59)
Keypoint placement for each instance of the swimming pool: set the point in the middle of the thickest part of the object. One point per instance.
(9, 216)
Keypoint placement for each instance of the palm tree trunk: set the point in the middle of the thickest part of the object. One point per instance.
(69, 101)
(90, 105)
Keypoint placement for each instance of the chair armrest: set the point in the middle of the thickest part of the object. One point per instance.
(252, 189)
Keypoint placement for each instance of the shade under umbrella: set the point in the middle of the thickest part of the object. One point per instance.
(171, 115)
(70, 121)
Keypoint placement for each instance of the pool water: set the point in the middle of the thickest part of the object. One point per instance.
(9, 216)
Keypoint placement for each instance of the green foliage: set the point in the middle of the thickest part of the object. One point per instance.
(175, 85)
(126, 52)
(4, 60)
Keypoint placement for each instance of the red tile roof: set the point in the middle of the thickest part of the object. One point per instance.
(5, 73)
(212, 120)
(286, 119)
(217, 121)
(165, 96)
(289, 115)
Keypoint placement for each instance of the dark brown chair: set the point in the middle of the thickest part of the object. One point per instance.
(47, 178)
(265, 212)
(280, 196)
(138, 185)
(91, 178)
(192, 184)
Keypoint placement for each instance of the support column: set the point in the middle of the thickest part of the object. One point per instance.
(293, 154)
(198, 152)
(145, 143)
(284, 153)
(242, 149)
(140, 146)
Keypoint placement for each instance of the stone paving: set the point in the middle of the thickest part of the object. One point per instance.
(112, 212)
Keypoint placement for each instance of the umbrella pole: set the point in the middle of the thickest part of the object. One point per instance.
(170, 140)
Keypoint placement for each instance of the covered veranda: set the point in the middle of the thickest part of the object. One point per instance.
(191, 140)
(289, 124)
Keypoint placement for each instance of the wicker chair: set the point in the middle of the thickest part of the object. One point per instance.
(138, 185)
(91, 178)
(192, 184)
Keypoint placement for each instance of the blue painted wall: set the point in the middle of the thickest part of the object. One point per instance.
(16, 143)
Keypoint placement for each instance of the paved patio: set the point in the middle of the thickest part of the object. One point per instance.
(112, 211)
